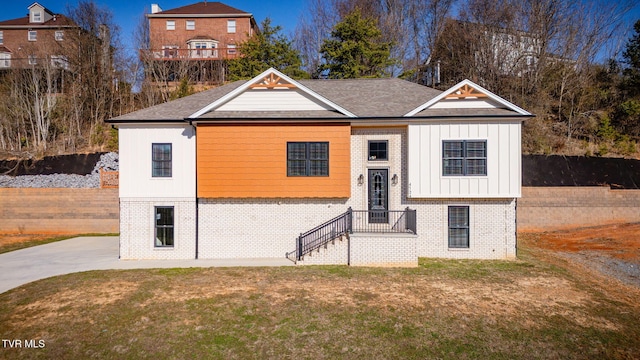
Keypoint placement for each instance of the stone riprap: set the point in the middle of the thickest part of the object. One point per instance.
(108, 162)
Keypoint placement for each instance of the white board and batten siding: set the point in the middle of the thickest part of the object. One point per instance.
(270, 100)
(136, 180)
(503, 179)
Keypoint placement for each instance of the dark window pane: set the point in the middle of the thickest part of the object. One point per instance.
(453, 149)
(452, 167)
(458, 226)
(318, 151)
(378, 150)
(297, 167)
(464, 158)
(161, 163)
(164, 216)
(308, 159)
(477, 167)
(476, 149)
(164, 226)
(458, 238)
(296, 151)
(319, 168)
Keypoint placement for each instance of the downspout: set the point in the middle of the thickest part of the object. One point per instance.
(196, 195)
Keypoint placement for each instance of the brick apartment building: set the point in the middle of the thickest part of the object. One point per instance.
(37, 38)
(193, 40)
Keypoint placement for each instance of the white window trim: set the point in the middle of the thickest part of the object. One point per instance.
(37, 17)
(59, 35)
(190, 22)
(171, 24)
(1, 37)
(5, 60)
(34, 33)
(231, 29)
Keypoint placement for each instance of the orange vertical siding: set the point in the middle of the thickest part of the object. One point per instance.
(250, 161)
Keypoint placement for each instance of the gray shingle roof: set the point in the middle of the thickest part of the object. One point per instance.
(178, 109)
(373, 97)
(366, 98)
(363, 97)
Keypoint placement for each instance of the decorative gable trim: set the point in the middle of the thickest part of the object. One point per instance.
(467, 90)
(270, 80)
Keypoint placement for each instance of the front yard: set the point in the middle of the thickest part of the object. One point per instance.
(539, 306)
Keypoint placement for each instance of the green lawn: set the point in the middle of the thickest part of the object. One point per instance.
(448, 309)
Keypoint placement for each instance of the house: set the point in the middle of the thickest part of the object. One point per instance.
(360, 172)
(193, 39)
(37, 38)
(492, 50)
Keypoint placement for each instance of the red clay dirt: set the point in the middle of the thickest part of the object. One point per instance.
(621, 241)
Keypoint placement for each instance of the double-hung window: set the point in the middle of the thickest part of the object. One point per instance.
(161, 160)
(171, 24)
(459, 227)
(59, 35)
(231, 26)
(1, 37)
(33, 35)
(5, 60)
(307, 159)
(191, 24)
(464, 158)
(164, 224)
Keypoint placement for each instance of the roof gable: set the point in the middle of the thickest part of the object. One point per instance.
(272, 91)
(468, 95)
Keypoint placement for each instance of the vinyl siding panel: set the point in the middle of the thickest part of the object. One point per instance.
(503, 177)
(273, 100)
(236, 161)
(136, 180)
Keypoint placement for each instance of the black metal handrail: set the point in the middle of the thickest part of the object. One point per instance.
(322, 234)
(384, 221)
(359, 221)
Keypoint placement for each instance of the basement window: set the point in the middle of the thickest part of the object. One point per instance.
(164, 225)
(459, 227)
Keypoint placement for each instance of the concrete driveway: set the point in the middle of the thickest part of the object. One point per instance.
(93, 253)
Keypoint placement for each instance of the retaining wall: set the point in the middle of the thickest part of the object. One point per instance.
(58, 210)
(553, 208)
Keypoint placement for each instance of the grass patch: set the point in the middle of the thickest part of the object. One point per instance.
(35, 240)
(520, 309)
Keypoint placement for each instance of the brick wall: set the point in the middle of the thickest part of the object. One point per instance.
(551, 208)
(137, 229)
(58, 211)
